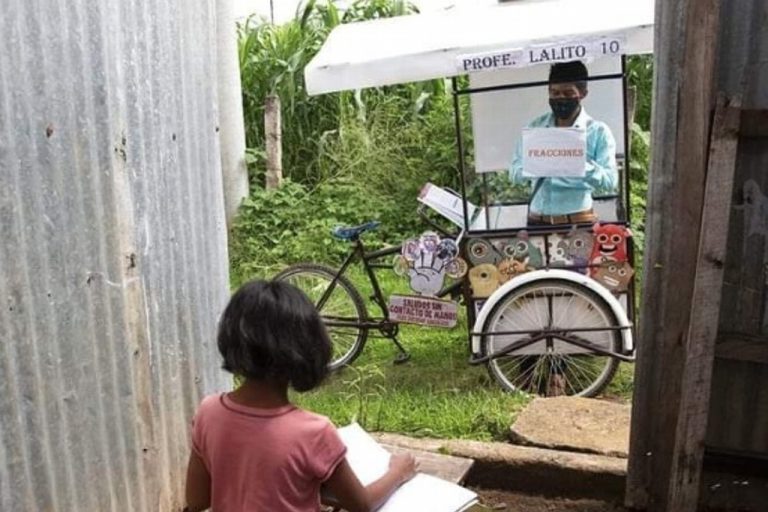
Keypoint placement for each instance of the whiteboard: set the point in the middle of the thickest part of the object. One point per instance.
(499, 116)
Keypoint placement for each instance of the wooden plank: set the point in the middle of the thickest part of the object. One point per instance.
(685, 63)
(754, 123)
(742, 347)
(738, 417)
(448, 467)
(705, 314)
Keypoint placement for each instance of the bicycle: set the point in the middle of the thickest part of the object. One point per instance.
(341, 304)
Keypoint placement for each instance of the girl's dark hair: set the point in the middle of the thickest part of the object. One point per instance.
(271, 331)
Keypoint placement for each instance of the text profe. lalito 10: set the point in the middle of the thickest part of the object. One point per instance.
(531, 56)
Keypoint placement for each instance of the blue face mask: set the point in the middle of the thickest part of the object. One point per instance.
(563, 108)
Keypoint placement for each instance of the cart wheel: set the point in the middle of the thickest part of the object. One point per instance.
(344, 304)
(551, 366)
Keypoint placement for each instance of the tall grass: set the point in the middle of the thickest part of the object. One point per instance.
(272, 62)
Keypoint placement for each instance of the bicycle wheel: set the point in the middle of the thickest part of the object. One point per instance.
(552, 366)
(343, 305)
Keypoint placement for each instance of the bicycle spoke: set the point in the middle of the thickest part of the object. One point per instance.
(561, 367)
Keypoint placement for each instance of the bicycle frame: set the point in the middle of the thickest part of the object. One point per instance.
(369, 262)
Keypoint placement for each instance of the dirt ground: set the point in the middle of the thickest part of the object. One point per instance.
(501, 501)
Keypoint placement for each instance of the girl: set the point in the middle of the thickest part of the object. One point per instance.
(254, 451)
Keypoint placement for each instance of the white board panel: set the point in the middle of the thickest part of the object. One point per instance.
(499, 116)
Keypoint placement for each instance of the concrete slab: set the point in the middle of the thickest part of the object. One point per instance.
(574, 424)
(528, 469)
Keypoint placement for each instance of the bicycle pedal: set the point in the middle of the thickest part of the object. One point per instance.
(402, 357)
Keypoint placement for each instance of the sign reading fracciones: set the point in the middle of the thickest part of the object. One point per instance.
(541, 54)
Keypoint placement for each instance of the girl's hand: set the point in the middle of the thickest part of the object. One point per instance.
(403, 465)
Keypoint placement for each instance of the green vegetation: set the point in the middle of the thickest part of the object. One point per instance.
(435, 394)
(353, 157)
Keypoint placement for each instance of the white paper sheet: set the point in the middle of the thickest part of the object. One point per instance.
(370, 461)
(446, 204)
(554, 152)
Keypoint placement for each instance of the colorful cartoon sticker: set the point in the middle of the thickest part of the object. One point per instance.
(509, 268)
(400, 265)
(610, 243)
(429, 241)
(456, 268)
(411, 249)
(484, 280)
(447, 249)
(427, 260)
(614, 275)
(480, 251)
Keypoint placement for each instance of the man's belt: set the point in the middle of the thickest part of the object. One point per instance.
(582, 217)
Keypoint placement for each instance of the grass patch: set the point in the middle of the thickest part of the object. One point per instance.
(436, 394)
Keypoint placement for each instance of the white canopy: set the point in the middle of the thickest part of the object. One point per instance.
(427, 46)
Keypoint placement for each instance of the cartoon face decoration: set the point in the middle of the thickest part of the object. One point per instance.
(614, 275)
(484, 280)
(572, 249)
(429, 241)
(427, 260)
(580, 244)
(480, 251)
(558, 251)
(610, 243)
(523, 250)
(509, 268)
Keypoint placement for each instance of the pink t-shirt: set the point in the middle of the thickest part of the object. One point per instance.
(264, 460)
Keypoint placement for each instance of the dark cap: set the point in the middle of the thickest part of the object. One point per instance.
(568, 72)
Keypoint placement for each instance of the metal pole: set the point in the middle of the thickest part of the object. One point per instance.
(460, 149)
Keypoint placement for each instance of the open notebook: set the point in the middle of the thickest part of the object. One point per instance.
(370, 461)
(446, 203)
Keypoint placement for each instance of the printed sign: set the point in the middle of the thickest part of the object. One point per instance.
(541, 54)
(490, 61)
(554, 152)
(423, 311)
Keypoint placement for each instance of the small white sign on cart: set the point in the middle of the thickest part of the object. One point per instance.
(554, 152)
(413, 309)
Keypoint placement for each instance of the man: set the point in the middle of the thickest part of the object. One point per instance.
(569, 200)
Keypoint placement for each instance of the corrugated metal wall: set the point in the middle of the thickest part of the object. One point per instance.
(113, 263)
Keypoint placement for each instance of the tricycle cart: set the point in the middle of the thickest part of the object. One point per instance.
(550, 307)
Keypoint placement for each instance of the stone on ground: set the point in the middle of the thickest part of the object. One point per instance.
(574, 424)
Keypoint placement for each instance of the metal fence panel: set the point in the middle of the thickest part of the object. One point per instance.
(113, 262)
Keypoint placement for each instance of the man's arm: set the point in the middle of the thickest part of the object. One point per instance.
(601, 171)
(516, 167)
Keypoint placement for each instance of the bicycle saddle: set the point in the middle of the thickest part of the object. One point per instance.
(351, 233)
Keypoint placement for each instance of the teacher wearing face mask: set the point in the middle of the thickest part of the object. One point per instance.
(569, 200)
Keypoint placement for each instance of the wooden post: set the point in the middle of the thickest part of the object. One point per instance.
(688, 452)
(686, 43)
(273, 141)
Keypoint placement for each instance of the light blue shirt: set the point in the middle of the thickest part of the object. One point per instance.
(560, 196)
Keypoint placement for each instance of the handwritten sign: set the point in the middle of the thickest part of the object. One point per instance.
(554, 152)
(423, 311)
(586, 50)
